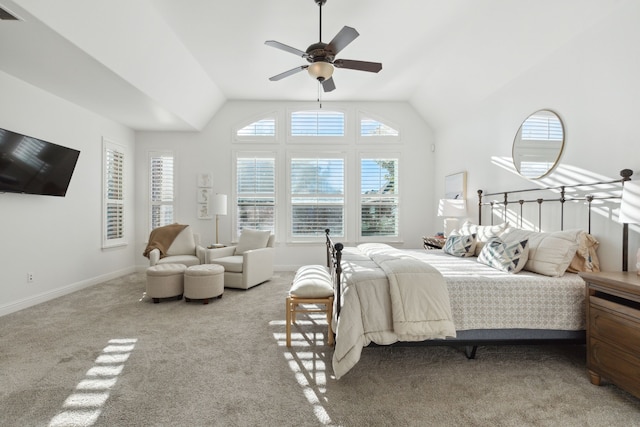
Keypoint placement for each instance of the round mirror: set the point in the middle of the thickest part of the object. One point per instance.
(538, 144)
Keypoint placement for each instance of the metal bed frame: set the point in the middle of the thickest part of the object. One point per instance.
(471, 339)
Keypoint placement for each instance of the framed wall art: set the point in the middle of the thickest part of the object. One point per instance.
(455, 186)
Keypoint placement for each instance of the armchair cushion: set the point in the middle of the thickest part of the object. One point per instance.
(252, 239)
(231, 264)
(183, 244)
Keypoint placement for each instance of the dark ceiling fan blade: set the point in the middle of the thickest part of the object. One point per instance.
(288, 73)
(372, 67)
(286, 48)
(345, 36)
(328, 85)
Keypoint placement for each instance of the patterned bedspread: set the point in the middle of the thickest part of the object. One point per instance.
(481, 298)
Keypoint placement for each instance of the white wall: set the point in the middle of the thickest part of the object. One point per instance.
(58, 239)
(592, 83)
(211, 151)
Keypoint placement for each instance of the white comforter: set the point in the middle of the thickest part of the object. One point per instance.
(481, 298)
(405, 300)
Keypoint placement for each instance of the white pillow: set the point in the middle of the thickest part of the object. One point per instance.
(312, 281)
(549, 253)
(462, 246)
(483, 233)
(509, 257)
(252, 239)
(183, 244)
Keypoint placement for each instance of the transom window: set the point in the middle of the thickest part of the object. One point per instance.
(372, 127)
(317, 123)
(264, 127)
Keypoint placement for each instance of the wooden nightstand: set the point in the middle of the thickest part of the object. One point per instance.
(613, 328)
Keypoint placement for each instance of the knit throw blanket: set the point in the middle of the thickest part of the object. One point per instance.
(162, 237)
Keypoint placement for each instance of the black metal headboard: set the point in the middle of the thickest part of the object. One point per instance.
(584, 193)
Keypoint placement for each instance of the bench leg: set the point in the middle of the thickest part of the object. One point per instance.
(288, 317)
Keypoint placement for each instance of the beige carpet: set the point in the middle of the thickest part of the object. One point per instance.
(107, 356)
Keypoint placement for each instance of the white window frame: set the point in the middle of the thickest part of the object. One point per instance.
(252, 154)
(151, 155)
(397, 195)
(110, 146)
(316, 155)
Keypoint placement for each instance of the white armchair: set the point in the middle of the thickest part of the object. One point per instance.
(185, 249)
(247, 264)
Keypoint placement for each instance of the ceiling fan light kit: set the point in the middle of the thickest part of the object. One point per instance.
(320, 71)
(321, 56)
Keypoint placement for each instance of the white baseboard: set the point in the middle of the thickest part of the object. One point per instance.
(49, 295)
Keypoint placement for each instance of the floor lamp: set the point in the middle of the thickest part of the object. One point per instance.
(219, 208)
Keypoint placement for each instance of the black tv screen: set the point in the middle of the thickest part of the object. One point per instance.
(31, 165)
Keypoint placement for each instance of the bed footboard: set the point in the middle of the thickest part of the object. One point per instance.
(334, 263)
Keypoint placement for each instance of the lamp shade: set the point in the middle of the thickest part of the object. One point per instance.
(630, 206)
(452, 208)
(320, 70)
(220, 204)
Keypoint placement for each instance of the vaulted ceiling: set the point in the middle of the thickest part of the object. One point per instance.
(170, 65)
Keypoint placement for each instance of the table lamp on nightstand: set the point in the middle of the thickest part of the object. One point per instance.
(630, 214)
(451, 210)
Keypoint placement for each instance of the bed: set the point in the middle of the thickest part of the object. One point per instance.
(382, 291)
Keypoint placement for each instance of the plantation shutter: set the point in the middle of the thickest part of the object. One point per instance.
(162, 189)
(379, 197)
(317, 197)
(256, 188)
(317, 123)
(113, 196)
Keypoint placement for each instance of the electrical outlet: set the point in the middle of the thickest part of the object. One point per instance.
(29, 277)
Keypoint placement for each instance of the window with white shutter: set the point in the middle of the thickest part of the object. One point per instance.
(316, 123)
(255, 191)
(317, 196)
(161, 189)
(378, 197)
(113, 195)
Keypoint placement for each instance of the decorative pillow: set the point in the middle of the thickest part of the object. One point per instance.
(509, 257)
(586, 258)
(483, 233)
(183, 244)
(312, 281)
(462, 246)
(549, 253)
(252, 239)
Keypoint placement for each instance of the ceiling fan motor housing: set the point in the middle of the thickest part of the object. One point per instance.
(317, 52)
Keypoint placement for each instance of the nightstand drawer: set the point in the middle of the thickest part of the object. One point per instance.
(620, 367)
(609, 326)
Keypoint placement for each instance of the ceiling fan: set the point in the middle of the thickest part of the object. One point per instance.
(321, 56)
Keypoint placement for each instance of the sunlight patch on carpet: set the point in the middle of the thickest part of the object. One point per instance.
(83, 407)
(307, 364)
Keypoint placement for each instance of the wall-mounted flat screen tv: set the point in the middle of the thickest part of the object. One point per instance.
(31, 165)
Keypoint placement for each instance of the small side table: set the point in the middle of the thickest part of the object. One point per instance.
(433, 242)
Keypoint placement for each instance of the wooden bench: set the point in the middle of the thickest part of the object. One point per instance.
(311, 292)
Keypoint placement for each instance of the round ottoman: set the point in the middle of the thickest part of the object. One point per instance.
(165, 281)
(203, 282)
